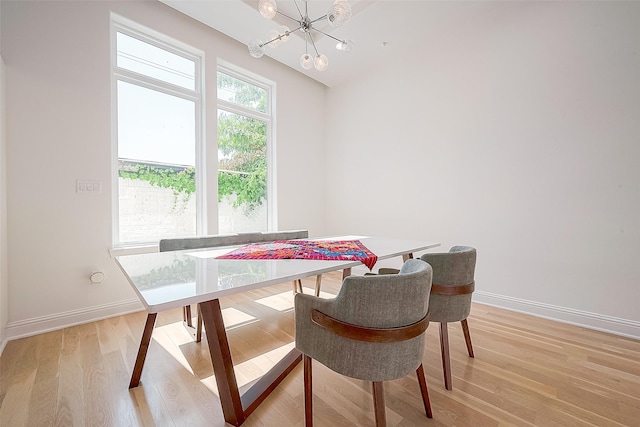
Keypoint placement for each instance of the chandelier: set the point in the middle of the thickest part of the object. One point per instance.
(339, 13)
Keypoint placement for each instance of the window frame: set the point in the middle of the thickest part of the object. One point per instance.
(197, 95)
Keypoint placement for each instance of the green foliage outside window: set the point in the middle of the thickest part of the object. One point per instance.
(242, 144)
(243, 165)
(182, 181)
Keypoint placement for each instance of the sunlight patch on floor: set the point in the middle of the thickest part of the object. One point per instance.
(174, 335)
(284, 300)
(234, 318)
(170, 337)
(251, 370)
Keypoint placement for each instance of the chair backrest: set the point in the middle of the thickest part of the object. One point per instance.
(383, 302)
(234, 239)
(453, 283)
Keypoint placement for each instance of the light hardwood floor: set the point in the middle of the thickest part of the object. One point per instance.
(527, 372)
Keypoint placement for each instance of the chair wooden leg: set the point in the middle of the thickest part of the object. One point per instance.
(308, 392)
(186, 315)
(446, 361)
(467, 336)
(378, 404)
(424, 391)
(199, 326)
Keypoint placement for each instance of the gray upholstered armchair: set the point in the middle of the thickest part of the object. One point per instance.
(453, 284)
(373, 330)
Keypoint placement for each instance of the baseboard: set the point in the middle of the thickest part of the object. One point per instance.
(613, 325)
(39, 325)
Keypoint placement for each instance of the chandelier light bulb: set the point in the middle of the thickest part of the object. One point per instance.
(268, 8)
(275, 36)
(255, 48)
(345, 46)
(321, 62)
(339, 13)
(306, 61)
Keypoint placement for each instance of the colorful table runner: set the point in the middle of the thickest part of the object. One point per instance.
(306, 249)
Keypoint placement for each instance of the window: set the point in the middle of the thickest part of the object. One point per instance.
(158, 93)
(159, 164)
(244, 153)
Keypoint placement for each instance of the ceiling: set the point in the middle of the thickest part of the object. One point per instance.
(378, 29)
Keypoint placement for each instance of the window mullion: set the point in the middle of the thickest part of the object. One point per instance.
(236, 109)
(154, 84)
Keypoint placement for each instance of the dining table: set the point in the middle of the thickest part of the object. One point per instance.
(168, 280)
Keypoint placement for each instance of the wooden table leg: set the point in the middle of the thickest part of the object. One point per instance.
(199, 326)
(318, 284)
(235, 407)
(222, 363)
(346, 272)
(142, 351)
(405, 257)
(186, 314)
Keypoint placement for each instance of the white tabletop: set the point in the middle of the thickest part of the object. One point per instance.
(166, 280)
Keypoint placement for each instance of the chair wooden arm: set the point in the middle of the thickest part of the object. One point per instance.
(453, 290)
(363, 333)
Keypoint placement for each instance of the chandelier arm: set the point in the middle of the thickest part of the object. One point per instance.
(329, 35)
(279, 37)
(270, 41)
(318, 19)
(293, 31)
(314, 45)
(298, 7)
(287, 16)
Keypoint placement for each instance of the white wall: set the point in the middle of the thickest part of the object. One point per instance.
(516, 133)
(57, 60)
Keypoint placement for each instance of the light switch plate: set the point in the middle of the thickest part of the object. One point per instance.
(87, 186)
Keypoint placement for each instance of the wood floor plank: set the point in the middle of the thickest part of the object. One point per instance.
(8, 362)
(124, 407)
(150, 406)
(107, 336)
(70, 399)
(43, 402)
(14, 410)
(527, 371)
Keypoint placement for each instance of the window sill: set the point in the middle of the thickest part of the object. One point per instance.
(132, 250)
